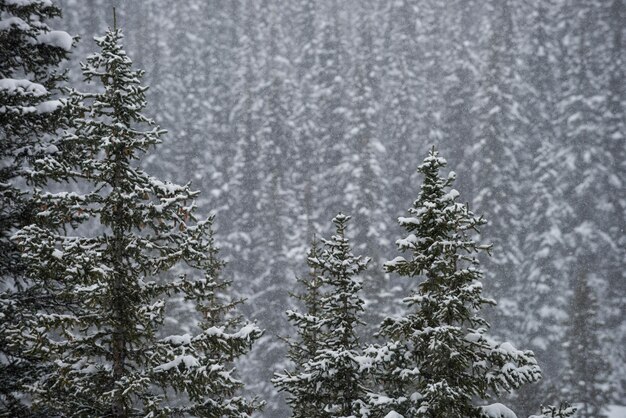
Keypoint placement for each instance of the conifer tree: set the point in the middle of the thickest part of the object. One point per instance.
(102, 340)
(438, 357)
(306, 348)
(306, 345)
(586, 370)
(30, 109)
(329, 383)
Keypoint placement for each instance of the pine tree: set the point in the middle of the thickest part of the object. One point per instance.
(30, 110)
(332, 374)
(304, 348)
(102, 340)
(499, 152)
(586, 371)
(540, 276)
(438, 357)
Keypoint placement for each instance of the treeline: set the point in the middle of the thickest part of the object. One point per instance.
(310, 108)
(84, 309)
(285, 114)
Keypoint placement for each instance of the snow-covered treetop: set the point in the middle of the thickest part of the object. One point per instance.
(329, 378)
(439, 350)
(113, 69)
(440, 222)
(340, 308)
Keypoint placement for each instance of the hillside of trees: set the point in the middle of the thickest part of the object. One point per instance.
(168, 189)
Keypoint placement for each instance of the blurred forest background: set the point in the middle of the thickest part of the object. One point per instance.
(285, 112)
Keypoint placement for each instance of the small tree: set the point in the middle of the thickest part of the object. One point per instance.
(30, 53)
(102, 338)
(438, 357)
(330, 382)
(304, 348)
(586, 372)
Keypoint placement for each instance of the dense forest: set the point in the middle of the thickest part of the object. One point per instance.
(282, 115)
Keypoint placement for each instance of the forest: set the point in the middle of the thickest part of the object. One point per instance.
(312, 208)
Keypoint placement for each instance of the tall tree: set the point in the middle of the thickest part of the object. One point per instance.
(30, 81)
(102, 341)
(438, 357)
(614, 207)
(497, 152)
(541, 285)
(333, 373)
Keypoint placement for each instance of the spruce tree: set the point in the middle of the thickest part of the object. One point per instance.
(304, 348)
(30, 110)
(102, 340)
(586, 371)
(438, 357)
(330, 382)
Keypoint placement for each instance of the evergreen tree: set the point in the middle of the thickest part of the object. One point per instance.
(306, 345)
(102, 341)
(540, 285)
(30, 53)
(438, 357)
(498, 154)
(586, 370)
(614, 205)
(330, 382)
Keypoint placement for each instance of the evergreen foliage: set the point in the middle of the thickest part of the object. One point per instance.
(102, 340)
(30, 110)
(563, 411)
(330, 382)
(547, 77)
(438, 357)
(304, 348)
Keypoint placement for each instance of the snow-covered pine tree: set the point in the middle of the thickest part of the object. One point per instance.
(438, 356)
(30, 53)
(586, 371)
(303, 348)
(333, 374)
(101, 339)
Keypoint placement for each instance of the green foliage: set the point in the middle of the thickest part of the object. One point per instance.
(564, 410)
(437, 357)
(30, 53)
(102, 257)
(327, 380)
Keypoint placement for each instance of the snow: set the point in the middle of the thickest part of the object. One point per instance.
(393, 414)
(25, 3)
(188, 360)
(616, 411)
(395, 261)
(56, 38)
(411, 220)
(497, 410)
(6, 24)
(184, 339)
(49, 106)
(22, 86)
(451, 195)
